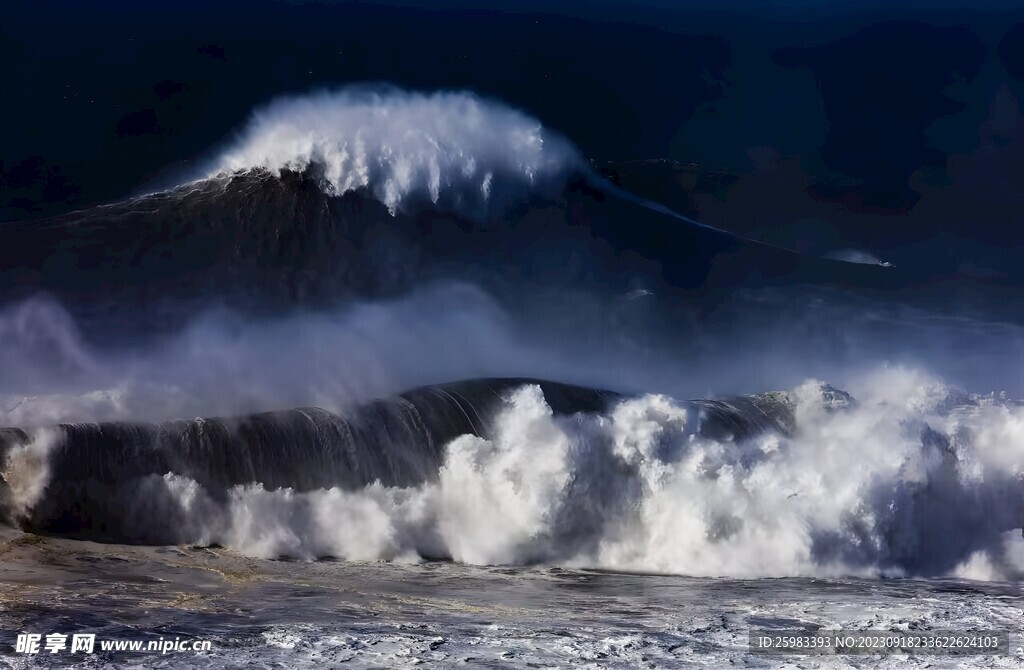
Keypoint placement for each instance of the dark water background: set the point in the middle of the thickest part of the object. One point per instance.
(894, 128)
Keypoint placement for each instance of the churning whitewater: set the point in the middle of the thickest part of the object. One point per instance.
(904, 477)
(405, 147)
(448, 148)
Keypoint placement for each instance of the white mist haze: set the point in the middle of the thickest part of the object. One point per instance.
(225, 364)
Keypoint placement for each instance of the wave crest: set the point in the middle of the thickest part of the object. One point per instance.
(891, 484)
(404, 147)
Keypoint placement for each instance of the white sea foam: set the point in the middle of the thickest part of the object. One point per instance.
(404, 147)
(893, 484)
(25, 473)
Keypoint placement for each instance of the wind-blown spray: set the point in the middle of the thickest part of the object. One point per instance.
(405, 147)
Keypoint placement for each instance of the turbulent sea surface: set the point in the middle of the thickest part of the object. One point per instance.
(285, 614)
(465, 399)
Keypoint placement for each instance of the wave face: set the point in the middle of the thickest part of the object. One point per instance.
(317, 204)
(405, 147)
(909, 477)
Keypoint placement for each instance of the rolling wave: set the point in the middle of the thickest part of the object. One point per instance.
(369, 193)
(452, 148)
(910, 477)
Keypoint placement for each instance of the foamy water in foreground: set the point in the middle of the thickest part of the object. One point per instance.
(263, 614)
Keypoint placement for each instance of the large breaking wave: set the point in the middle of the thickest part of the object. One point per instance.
(405, 147)
(907, 477)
